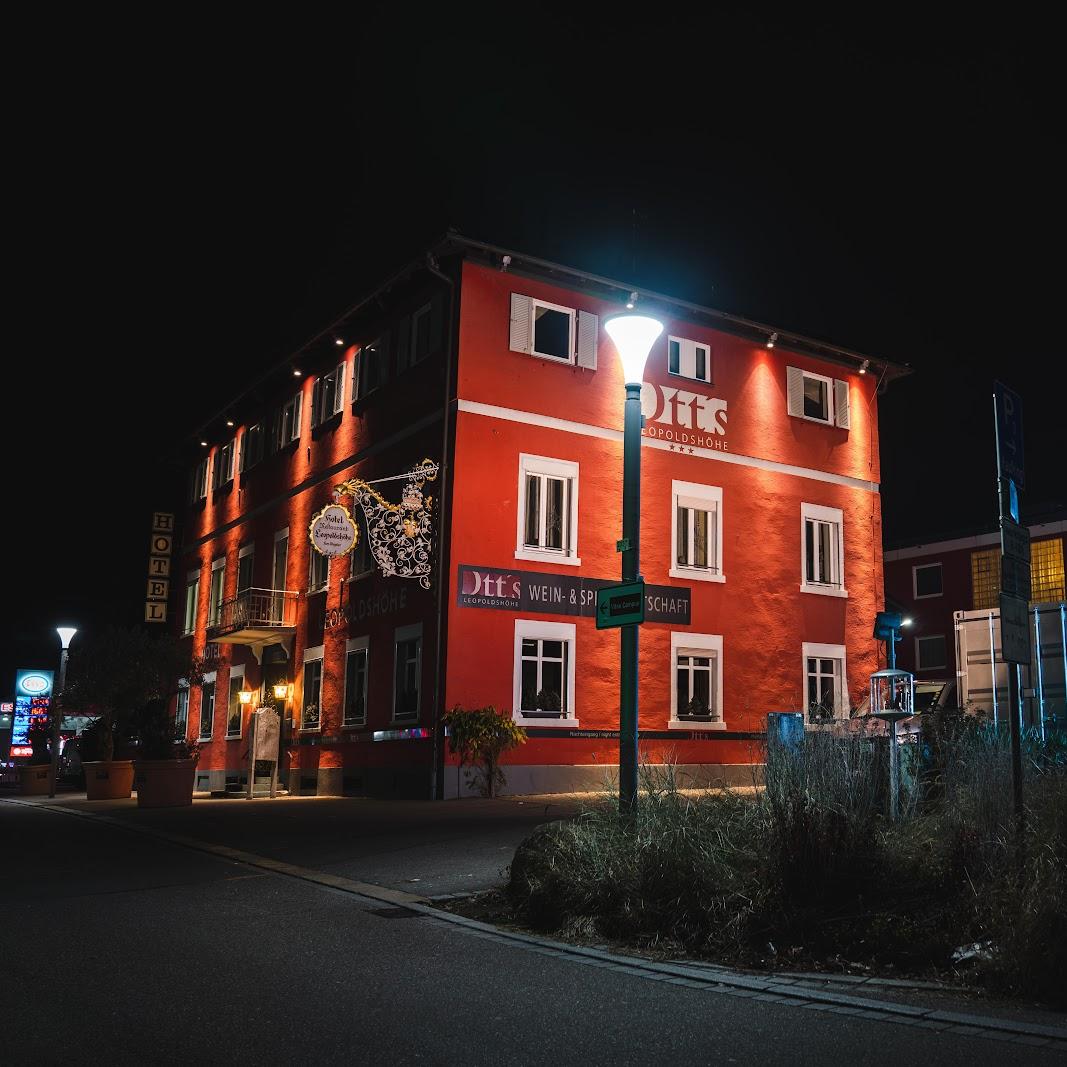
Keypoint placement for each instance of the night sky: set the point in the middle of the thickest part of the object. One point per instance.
(195, 203)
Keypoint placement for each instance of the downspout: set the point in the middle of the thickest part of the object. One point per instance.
(437, 771)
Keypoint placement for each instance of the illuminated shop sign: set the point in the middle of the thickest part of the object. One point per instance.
(560, 594)
(30, 683)
(683, 417)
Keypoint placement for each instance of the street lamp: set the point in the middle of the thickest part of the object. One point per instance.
(634, 336)
(66, 635)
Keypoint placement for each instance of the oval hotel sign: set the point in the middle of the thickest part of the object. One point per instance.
(332, 531)
(33, 683)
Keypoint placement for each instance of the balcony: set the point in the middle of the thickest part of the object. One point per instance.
(257, 618)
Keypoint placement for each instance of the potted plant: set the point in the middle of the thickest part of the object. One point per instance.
(165, 768)
(34, 776)
(106, 778)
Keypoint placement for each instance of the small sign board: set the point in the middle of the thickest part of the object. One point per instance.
(1014, 540)
(1015, 577)
(332, 531)
(1014, 629)
(620, 605)
(1009, 413)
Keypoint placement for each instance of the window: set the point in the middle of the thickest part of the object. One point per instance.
(355, 708)
(234, 708)
(279, 568)
(224, 457)
(251, 447)
(697, 532)
(825, 682)
(318, 571)
(817, 397)
(289, 422)
(214, 593)
(552, 331)
(371, 367)
(926, 580)
(198, 488)
(328, 395)
(931, 653)
(985, 578)
(192, 600)
(181, 714)
(544, 672)
(1046, 571)
(245, 557)
(408, 673)
(548, 510)
(207, 707)
(689, 359)
(821, 550)
(311, 709)
(418, 336)
(362, 562)
(696, 690)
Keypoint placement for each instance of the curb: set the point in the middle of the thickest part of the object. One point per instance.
(775, 988)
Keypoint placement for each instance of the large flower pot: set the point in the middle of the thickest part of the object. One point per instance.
(108, 779)
(33, 781)
(164, 783)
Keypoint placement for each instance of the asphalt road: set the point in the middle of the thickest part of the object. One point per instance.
(120, 947)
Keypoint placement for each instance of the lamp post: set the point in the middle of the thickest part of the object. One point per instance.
(66, 635)
(634, 336)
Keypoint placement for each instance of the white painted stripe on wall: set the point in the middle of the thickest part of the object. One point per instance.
(1044, 529)
(530, 418)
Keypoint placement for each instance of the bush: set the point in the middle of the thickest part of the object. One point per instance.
(480, 736)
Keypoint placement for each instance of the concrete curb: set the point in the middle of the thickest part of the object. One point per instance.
(796, 990)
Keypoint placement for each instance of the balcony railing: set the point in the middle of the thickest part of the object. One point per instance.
(256, 612)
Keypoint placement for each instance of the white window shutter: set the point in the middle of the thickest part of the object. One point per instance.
(521, 309)
(841, 413)
(339, 389)
(296, 415)
(316, 402)
(794, 378)
(587, 340)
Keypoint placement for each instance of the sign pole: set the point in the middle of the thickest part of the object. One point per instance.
(631, 566)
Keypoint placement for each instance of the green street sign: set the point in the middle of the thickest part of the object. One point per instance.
(620, 605)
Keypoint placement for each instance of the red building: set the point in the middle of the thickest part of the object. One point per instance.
(929, 582)
(761, 534)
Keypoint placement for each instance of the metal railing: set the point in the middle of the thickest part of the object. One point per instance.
(256, 609)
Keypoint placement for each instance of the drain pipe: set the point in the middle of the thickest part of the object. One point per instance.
(437, 770)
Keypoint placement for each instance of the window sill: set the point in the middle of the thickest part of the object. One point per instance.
(566, 361)
(202, 740)
(929, 596)
(537, 720)
(233, 737)
(818, 422)
(359, 577)
(310, 730)
(691, 378)
(824, 590)
(692, 724)
(533, 555)
(695, 574)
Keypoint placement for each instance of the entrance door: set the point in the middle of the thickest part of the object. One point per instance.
(274, 674)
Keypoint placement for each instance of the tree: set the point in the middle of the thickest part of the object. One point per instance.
(480, 736)
(118, 673)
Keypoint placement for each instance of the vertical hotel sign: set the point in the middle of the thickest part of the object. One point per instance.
(159, 553)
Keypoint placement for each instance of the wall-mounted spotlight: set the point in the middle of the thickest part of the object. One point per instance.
(632, 301)
(338, 340)
(864, 365)
(229, 422)
(204, 444)
(770, 340)
(297, 373)
(505, 262)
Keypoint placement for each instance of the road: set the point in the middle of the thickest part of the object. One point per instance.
(120, 946)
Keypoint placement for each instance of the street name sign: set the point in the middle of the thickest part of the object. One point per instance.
(620, 605)
(1014, 629)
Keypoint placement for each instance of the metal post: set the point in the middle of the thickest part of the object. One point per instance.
(631, 565)
(56, 716)
(894, 754)
(1015, 711)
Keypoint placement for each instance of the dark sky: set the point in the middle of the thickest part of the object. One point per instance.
(195, 200)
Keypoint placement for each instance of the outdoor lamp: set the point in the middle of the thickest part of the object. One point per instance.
(66, 635)
(634, 336)
(281, 690)
(244, 696)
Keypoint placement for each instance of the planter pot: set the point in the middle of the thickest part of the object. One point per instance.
(108, 779)
(164, 783)
(33, 781)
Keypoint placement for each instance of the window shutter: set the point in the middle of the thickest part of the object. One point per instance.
(841, 412)
(437, 317)
(316, 402)
(794, 378)
(521, 308)
(587, 339)
(403, 347)
(296, 415)
(339, 388)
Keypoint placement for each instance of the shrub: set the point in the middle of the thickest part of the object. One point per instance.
(480, 736)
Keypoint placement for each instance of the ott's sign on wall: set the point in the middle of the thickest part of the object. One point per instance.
(684, 417)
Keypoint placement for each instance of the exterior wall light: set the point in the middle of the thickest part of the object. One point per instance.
(244, 696)
(281, 691)
(770, 340)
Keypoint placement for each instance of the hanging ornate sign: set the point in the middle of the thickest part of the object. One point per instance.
(332, 531)
(400, 535)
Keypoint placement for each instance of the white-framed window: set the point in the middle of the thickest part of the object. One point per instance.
(192, 601)
(357, 662)
(289, 421)
(825, 682)
(822, 550)
(371, 367)
(548, 510)
(696, 684)
(251, 447)
(235, 710)
(318, 571)
(214, 591)
(689, 359)
(311, 693)
(926, 581)
(245, 560)
(328, 395)
(544, 673)
(198, 489)
(696, 532)
(817, 398)
(224, 457)
(407, 673)
(181, 714)
(207, 707)
(554, 331)
(931, 653)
